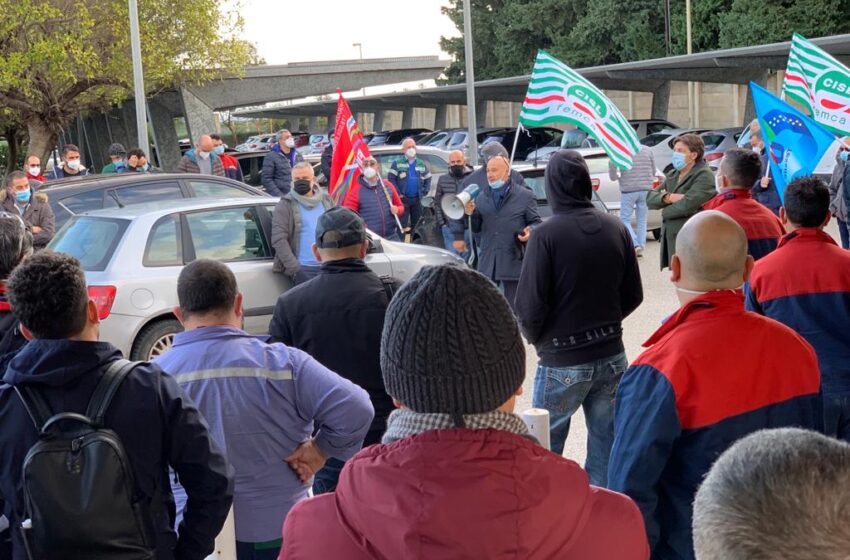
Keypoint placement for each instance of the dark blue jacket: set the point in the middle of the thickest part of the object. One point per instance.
(769, 196)
(500, 253)
(327, 162)
(277, 170)
(713, 374)
(372, 205)
(158, 427)
(58, 172)
(805, 284)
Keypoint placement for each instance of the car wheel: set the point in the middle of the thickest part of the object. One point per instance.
(656, 234)
(155, 339)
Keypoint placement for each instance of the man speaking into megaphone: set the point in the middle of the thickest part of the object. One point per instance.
(503, 213)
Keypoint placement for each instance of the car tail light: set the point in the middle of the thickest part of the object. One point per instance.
(595, 184)
(714, 157)
(103, 297)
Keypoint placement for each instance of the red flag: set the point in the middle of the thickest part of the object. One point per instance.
(349, 152)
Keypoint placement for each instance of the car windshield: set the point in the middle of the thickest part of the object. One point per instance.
(573, 138)
(654, 139)
(712, 141)
(92, 241)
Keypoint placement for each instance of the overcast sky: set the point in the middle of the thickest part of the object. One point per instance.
(304, 30)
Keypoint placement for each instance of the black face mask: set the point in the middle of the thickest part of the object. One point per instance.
(302, 187)
(457, 170)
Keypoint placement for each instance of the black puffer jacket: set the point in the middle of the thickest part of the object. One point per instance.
(342, 328)
(580, 277)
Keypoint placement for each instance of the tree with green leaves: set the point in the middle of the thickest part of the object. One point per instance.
(59, 58)
(751, 22)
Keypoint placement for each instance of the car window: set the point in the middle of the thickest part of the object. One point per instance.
(84, 202)
(228, 234)
(573, 138)
(535, 181)
(437, 164)
(597, 164)
(712, 141)
(386, 161)
(652, 128)
(165, 246)
(458, 139)
(654, 139)
(145, 192)
(437, 139)
(91, 241)
(211, 189)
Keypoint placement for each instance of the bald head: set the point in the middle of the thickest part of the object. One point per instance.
(205, 143)
(456, 157)
(498, 168)
(711, 253)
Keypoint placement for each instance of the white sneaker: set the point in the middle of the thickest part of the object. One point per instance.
(639, 251)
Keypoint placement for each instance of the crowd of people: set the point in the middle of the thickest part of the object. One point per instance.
(377, 420)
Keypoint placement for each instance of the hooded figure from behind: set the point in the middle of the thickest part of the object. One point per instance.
(580, 279)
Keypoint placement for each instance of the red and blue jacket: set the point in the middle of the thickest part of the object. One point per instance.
(763, 228)
(713, 373)
(805, 284)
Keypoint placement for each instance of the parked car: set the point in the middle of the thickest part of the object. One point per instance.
(70, 197)
(132, 257)
(662, 142)
(394, 137)
(257, 143)
(529, 140)
(607, 192)
(825, 165)
(578, 138)
(438, 160)
(717, 142)
(455, 138)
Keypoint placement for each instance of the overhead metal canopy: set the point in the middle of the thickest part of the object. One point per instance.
(729, 66)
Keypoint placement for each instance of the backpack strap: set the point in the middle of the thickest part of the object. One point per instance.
(389, 284)
(106, 389)
(35, 405)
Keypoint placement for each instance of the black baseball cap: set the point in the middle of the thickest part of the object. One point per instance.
(339, 227)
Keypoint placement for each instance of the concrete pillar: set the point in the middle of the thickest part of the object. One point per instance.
(165, 134)
(378, 124)
(750, 108)
(661, 101)
(313, 124)
(407, 118)
(200, 117)
(481, 112)
(440, 117)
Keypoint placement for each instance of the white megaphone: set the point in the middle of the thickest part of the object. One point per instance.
(454, 204)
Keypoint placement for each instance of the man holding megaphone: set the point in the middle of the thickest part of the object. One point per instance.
(503, 213)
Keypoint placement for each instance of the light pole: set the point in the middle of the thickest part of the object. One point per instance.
(471, 123)
(691, 122)
(360, 46)
(138, 77)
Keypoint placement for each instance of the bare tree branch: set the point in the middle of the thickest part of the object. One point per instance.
(81, 86)
(14, 102)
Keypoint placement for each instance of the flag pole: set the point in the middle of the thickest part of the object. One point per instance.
(516, 141)
(390, 202)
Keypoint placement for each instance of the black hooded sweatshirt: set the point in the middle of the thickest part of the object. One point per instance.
(580, 277)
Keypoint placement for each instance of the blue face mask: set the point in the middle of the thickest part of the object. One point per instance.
(844, 155)
(23, 196)
(218, 150)
(497, 184)
(678, 161)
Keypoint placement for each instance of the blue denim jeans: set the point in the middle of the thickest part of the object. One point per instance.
(449, 239)
(592, 386)
(328, 476)
(844, 232)
(630, 202)
(836, 416)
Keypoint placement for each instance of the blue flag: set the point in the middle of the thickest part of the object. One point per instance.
(795, 143)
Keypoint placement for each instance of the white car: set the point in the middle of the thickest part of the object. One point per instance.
(132, 257)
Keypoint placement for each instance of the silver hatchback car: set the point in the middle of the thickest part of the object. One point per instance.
(132, 257)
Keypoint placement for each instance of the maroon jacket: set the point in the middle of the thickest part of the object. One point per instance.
(464, 494)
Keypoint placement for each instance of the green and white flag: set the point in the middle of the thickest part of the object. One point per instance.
(820, 83)
(557, 93)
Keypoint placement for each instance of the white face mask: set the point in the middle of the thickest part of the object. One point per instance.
(369, 172)
(410, 153)
(74, 163)
(35, 169)
(290, 143)
(203, 155)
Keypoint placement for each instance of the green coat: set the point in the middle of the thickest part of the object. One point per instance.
(698, 188)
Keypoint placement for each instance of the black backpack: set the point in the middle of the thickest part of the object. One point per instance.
(80, 496)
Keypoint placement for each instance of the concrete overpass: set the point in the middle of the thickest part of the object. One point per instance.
(730, 66)
(258, 85)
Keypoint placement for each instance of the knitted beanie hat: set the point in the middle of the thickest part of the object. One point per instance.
(451, 344)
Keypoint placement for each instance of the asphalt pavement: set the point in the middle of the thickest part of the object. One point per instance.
(659, 301)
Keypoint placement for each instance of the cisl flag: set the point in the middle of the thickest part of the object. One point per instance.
(557, 93)
(349, 152)
(819, 83)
